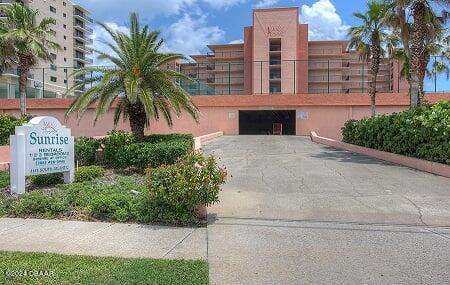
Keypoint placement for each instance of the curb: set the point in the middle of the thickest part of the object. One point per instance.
(411, 162)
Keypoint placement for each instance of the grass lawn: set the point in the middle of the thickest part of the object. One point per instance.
(63, 269)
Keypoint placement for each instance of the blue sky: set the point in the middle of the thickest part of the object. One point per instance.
(189, 25)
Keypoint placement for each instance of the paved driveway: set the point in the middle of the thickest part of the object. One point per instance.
(294, 212)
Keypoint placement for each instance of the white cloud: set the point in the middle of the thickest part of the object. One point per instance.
(266, 3)
(223, 4)
(240, 41)
(114, 9)
(100, 36)
(324, 22)
(189, 36)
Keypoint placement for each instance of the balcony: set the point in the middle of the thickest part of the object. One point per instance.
(83, 59)
(325, 51)
(82, 16)
(82, 48)
(83, 38)
(226, 54)
(83, 28)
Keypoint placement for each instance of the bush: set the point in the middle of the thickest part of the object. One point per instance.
(423, 132)
(47, 179)
(88, 173)
(115, 143)
(143, 155)
(8, 124)
(4, 179)
(176, 190)
(38, 204)
(85, 150)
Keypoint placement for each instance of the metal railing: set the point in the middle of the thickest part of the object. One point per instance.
(243, 78)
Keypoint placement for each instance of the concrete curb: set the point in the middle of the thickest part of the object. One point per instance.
(415, 163)
(202, 139)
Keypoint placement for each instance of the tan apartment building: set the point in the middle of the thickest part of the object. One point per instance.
(72, 33)
(277, 57)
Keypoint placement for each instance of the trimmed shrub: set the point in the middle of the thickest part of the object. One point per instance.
(423, 132)
(88, 173)
(168, 137)
(8, 124)
(115, 143)
(85, 150)
(47, 179)
(143, 155)
(174, 191)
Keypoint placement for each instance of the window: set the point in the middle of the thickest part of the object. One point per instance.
(52, 9)
(65, 59)
(65, 37)
(65, 81)
(64, 26)
(53, 79)
(53, 67)
(64, 4)
(64, 15)
(65, 70)
(65, 48)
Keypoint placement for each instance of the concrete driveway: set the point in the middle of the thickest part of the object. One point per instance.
(294, 212)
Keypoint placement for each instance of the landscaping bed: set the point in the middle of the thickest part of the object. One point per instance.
(422, 133)
(161, 180)
(45, 268)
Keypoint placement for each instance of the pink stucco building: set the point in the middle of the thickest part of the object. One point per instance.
(277, 57)
(276, 76)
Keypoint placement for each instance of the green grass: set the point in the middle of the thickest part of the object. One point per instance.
(99, 270)
(4, 179)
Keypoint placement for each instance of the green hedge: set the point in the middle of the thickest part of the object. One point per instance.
(7, 125)
(121, 151)
(423, 132)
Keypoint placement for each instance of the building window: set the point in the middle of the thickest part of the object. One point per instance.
(53, 79)
(65, 48)
(52, 9)
(65, 81)
(65, 70)
(64, 15)
(65, 37)
(64, 26)
(65, 59)
(53, 67)
(64, 4)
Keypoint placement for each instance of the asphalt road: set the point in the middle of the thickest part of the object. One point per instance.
(294, 212)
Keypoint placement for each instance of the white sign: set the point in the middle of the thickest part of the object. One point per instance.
(41, 146)
(302, 115)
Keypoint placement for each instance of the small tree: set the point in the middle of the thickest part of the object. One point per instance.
(368, 39)
(143, 89)
(28, 41)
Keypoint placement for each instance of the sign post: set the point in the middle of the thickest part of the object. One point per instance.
(41, 146)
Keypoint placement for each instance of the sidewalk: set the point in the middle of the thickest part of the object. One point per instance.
(102, 239)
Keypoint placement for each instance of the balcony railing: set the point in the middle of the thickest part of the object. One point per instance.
(229, 78)
(82, 15)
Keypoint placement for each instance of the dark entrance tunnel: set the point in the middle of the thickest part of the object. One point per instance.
(262, 122)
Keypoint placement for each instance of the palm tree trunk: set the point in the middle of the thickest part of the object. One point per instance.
(23, 78)
(138, 120)
(418, 51)
(375, 68)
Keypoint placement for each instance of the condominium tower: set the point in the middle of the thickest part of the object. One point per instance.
(276, 56)
(72, 33)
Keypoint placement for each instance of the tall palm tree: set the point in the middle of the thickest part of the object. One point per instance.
(368, 39)
(144, 90)
(6, 56)
(417, 35)
(29, 40)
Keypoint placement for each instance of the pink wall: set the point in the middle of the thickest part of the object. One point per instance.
(248, 60)
(302, 56)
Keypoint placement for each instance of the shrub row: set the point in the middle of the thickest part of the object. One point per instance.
(423, 132)
(7, 125)
(120, 150)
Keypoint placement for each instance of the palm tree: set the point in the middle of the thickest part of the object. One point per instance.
(29, 40)
(6, 56)
(144, 90)
(416, 36)
(368, 39)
